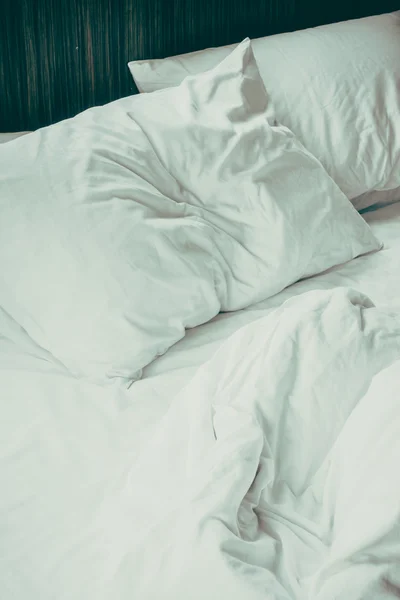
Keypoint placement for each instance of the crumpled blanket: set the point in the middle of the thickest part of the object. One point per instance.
(243, 489)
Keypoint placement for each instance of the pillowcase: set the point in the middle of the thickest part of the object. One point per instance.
(337, 87)
(131, 222)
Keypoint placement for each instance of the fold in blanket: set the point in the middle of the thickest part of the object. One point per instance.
(274, 474)
(228, 498)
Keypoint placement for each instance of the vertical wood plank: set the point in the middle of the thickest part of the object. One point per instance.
(59, 57)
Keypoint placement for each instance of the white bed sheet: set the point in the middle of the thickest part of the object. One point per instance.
(60, 432)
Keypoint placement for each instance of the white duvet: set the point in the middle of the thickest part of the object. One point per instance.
(273, 475)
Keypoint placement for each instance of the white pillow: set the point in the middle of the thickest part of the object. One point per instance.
(337, 87)
(130, 222)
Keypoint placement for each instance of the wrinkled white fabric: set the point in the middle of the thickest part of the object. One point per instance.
(126, 225)
(272, 475)
(239, 467)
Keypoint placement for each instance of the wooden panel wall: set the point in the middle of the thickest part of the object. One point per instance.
(58, 57)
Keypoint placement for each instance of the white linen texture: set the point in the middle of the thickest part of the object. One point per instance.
(337, 87)
(244, 458)
(131, 222)
(273, 475)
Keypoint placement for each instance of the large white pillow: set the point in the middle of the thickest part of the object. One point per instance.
(131, 222)
(337, 87)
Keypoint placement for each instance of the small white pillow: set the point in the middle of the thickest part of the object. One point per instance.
(337, 87)
(130, 222)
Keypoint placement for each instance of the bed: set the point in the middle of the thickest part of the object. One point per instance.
(200, 326)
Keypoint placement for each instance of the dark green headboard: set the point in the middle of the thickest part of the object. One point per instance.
(58, 57)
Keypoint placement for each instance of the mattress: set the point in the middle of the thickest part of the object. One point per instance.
(68, 447)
